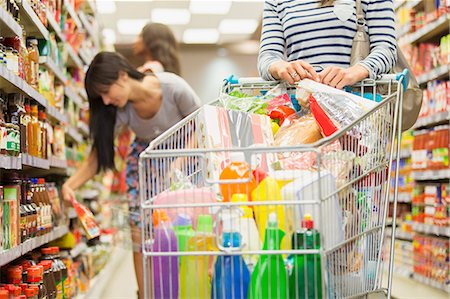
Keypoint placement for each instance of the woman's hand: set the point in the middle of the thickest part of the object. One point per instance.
(339, 77)
(292, 71)
(67, 192)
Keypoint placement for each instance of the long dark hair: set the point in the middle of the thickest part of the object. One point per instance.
(161, 44)
(104, 71)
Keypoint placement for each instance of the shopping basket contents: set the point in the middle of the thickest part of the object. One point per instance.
(246, 211)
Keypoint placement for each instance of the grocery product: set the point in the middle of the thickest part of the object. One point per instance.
(305, 280)
(195, 280)
(231, 276)
(240, 175)
(303, 130)
(86, 218)
(165, 280)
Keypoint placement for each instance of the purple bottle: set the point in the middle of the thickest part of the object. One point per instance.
(165, 268)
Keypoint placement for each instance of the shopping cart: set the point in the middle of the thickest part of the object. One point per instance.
(213, 250)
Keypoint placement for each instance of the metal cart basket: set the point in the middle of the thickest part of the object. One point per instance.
(319, 229)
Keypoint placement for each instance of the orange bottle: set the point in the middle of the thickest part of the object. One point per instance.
(240, 172)
(35, 146)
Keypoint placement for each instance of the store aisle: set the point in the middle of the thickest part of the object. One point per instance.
(122, 283)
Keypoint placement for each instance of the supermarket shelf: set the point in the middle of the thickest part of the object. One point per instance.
(437, 73)
(71, 10)
(84, 129)
(85, 56)
(35, 162)
(431, 229)
(22, 85)
(8, 24)
(428, 31)
(74, 59)
(402, 197)
(7, 162)
(57, 163)
(403, 30)
(53, 112)
(31, 22)
(16, 252)
(100, 281)
(73, 96)
(429, 175)
(432, 283)
(59, 73)
(90, 30)
(74, 134)
(432, 120)
(406, 3)
(52, 22)
(78, 249)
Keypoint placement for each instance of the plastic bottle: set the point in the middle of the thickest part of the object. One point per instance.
(237, 170)
(306, 267)
(249, 231)
(194, 270)
(165, 269)
(269, 190)
(269, 278)
(182, 227)
(34, 146)
(231, 276)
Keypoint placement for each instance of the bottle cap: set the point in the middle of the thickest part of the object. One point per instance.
(34, 274)
(41, 181)
(159, 216)
(46, 251)
(182, 220)
(237, 157)
(4, 294)
(55, 249)
(307, 221)
(23, 286)
(205, 224)
(273, 220)
(29, 292)
(248, 212)
(46, 264)
(239, 197)
(14, 274)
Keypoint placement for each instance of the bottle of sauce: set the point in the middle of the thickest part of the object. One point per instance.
(24, 119)
(44, 133)
(36, 278)
(30, 132)
(53, 274)
(33, 57)
(35, 146)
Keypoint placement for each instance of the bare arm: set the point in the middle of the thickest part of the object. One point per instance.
(86, 172)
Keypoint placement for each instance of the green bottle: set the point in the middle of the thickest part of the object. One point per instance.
(305, 280)
(269, 278)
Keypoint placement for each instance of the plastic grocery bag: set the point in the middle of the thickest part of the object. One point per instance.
(333, 108)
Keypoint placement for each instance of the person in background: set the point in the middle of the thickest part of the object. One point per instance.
(298, 35)
(158, 46)
(148, 104)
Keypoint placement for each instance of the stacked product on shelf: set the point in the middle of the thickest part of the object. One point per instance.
(44, 49)
(424, 36)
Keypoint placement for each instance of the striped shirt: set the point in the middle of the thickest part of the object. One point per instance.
(302, 30)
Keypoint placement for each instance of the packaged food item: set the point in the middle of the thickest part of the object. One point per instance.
(304, 130)
(87, 219)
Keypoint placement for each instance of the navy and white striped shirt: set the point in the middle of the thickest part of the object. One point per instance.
(302, 30)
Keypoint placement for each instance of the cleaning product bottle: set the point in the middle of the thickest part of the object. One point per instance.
(249, 231)
(182, 226)
(231, 276)
(165, 268)
(269, 278)
(240, 173)
(305, 280)
(194, 270)
(269, 190)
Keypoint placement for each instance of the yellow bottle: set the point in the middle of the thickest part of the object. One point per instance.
(195, 279)
(269, 190)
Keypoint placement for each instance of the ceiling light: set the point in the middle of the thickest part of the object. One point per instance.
(211, 7)
(131, 26)
(106, 7)
(200, 36)
(171, 16)
(109, 36)
(238, 26)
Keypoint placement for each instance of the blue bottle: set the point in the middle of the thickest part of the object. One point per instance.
(231, 276)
